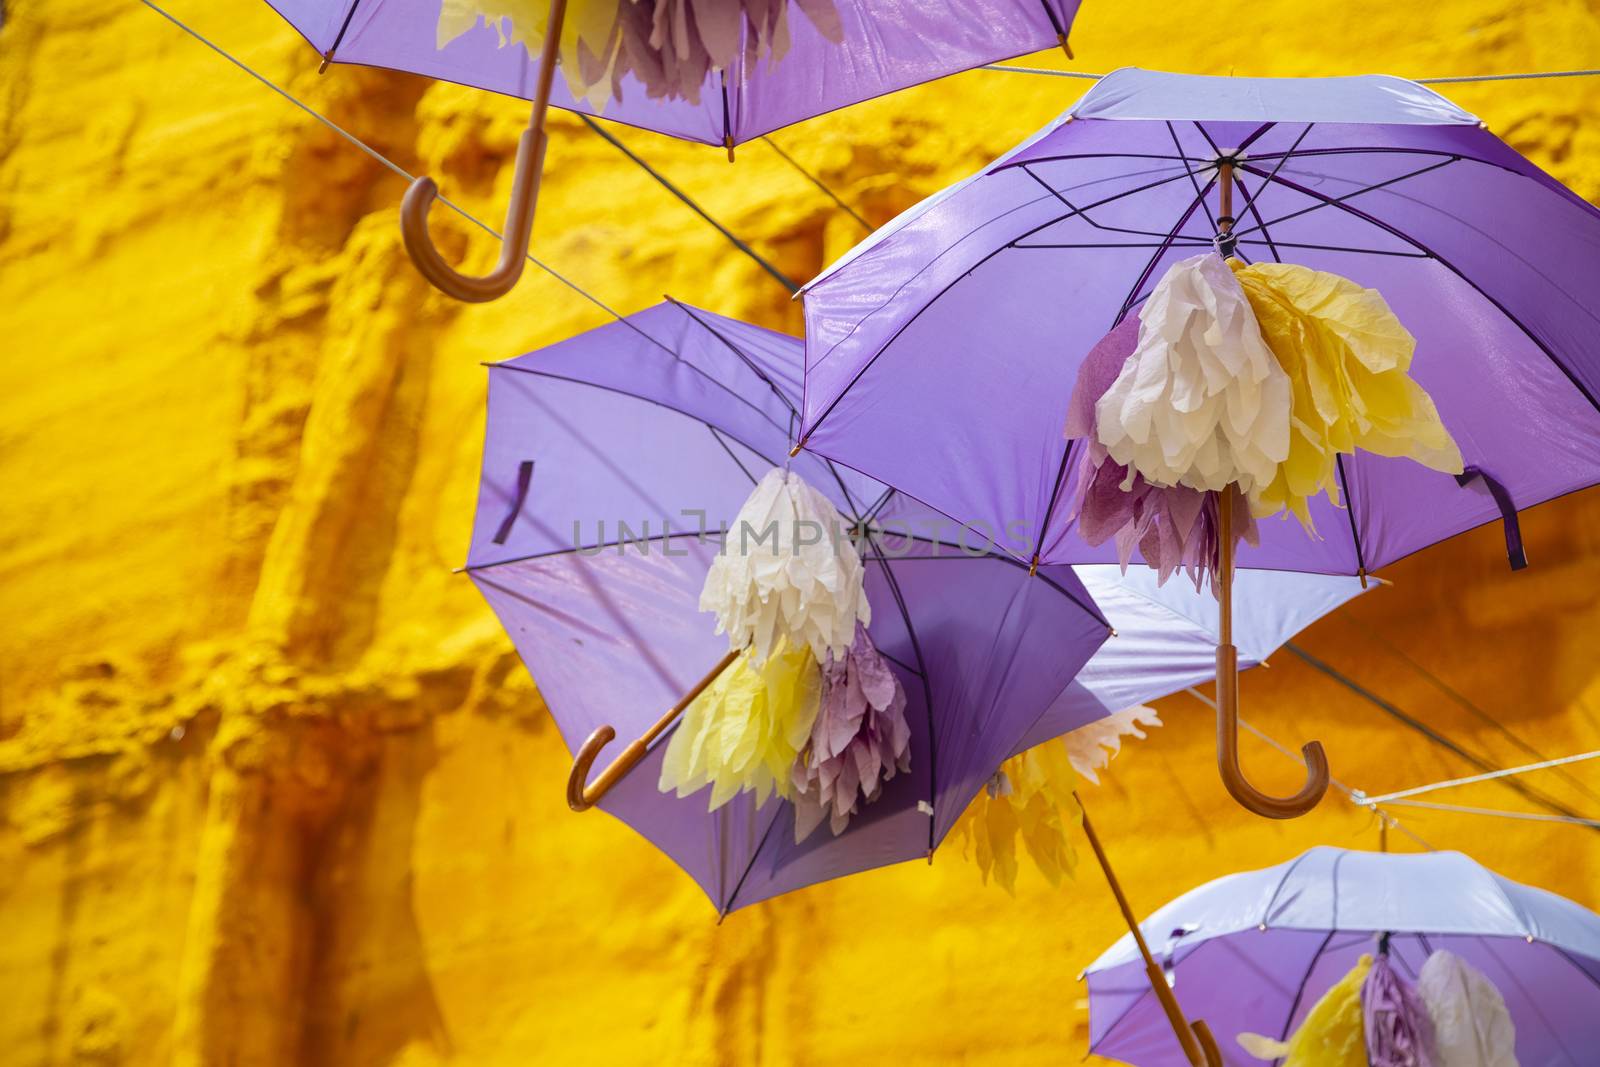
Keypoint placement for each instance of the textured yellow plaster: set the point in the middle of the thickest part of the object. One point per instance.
(274, 788)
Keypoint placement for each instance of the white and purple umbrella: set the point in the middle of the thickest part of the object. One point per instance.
(1252, 953)
(963, 325)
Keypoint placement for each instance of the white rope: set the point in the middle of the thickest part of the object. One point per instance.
(369, 150)
(1460, 79)
(1530, 816)
(1488, 777)
(1388, 820)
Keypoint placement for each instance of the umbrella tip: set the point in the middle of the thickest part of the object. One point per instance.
(795, 451)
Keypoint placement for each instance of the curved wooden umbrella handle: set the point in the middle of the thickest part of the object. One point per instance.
(1290, 807)
(581, 793)
(1208, 1044)
(514, 242)
(1317, 777)
(518, 234)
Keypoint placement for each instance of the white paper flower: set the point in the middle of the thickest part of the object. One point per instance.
(787, 570)
(1471, 1025)
(1202, 402)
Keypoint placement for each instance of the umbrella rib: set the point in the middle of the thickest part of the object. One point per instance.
(1050, 506)
(1350, 513)
(774, 423)
(1336, 201)
(754, 855)
(344, 28)
(1580, 968)
(1194, 182)
(1299, 994)
(737, 351)
(1053, 191)
(953, 282)
(1337, 248)
(1006, 558)
(927, 689)
(1070, 156)
(1451, 267)
(1149, 268)
(716, 435)
(593, 549)
(1533, 1002)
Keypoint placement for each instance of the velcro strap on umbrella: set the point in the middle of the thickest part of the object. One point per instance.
(524, 479)
(1508, 513)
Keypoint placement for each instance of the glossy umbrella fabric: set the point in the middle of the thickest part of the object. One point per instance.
(1255, 951)
(1165, 636)
(961, 325)
(676, 410)
(656, 424)
(886, 46)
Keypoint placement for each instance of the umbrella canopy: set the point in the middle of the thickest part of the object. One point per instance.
(604, 456)
(607, 455)
(962, 325)
(1253, 952)
(876, 48)
(1166, 636)
(1430, 286)
(721, 73)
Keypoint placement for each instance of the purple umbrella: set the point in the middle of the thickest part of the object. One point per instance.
(606, 457)
(1253, 952)
(755, 67)
(962, 325)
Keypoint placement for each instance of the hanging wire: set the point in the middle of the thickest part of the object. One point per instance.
(1456, 80)
(1434, 735)
(1487, 777)
(783, 279)
(1386, 821)
(1529, 816)
(376, 155)
(1473, 709)
(818, 182)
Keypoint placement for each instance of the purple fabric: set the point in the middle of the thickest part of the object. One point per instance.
(887, 46)
(1394, 1020)
(1173, 527)
(962, 325)
(860, 740)
(1255, 951)
(658, 425)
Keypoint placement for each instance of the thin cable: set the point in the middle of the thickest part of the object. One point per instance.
(1008, 68)
(1488, 777)
(783, 279)
(1350, 793)
(1457, 80)
(1433, 735)
(818, 182)
(377, 156)
(1461, 700)
(1527, 816)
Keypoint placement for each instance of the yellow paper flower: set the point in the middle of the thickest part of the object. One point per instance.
(1348, 359)
(745, 730)
(589, 36)
(1331, 1036)
(1031, 797)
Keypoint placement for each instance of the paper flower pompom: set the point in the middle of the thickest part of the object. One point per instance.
(743, 732)
(1202, 401)
(787, 571)
(859, 741)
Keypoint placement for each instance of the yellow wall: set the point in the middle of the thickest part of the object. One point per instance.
(273, 787)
